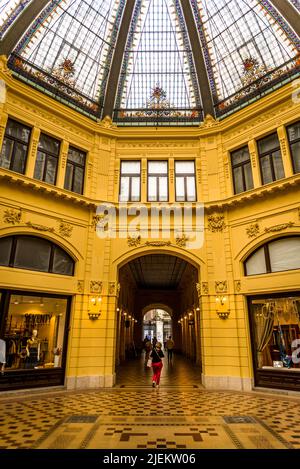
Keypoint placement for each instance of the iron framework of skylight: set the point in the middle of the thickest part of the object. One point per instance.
(9, 11)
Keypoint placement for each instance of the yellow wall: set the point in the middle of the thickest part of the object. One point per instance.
(67, 219)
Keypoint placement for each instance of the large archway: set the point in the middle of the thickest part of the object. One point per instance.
(158, 282)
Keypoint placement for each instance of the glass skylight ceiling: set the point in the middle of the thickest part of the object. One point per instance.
(247, 46)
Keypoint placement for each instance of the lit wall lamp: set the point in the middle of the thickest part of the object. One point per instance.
(94, 311)
(222, 307)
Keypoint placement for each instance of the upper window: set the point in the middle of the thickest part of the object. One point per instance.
(185, 181)
(241, 170)
(47, 159)
(32, 253)
(74, 179)
(130, 185)
(294, 139)
(276, 256)
(15, 146)
(157, 181)
(270, 159)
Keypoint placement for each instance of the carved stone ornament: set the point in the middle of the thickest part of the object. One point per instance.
(208, 122)
(111, 288)
(118, 289)
(107, 122)
(198, 288)
(80, 286)
(37, 227)
(12, 216)
(3, 65)
(134, 241)
(100, 222)
(65, 229)
(253, 230)
(158, 243)
(237, 286)
(281, 227)
(205, 288)
(95, 286)
(216, 222)
(221, 286)
(181, 240)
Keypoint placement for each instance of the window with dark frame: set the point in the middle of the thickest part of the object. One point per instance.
(270, 159)
(293, 132)
(14, 150)
(276, 256)
(16, 251)
(185, 182)
(75, 170)
(241, 170)
(130, 181)
(47, 159)
(158, 181)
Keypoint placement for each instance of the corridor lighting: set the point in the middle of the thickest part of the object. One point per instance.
(185, 317)
(222, 307)
(94, 311)
(190, 314)
(198, 309)
(118, 309)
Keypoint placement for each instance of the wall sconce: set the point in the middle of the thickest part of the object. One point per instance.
(94, 311)
(222, 307)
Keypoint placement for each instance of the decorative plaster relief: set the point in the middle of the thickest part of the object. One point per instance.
(38, 227)
(65, 229)
(205, 288)
(95, 286)
(221, 286)
(158, 243)
(134, 241)
(216, 223)
(237, 285)
(111, 288)
(182, 240)
(80, 286)
(253, 230)
(12, 216)
(280, 227)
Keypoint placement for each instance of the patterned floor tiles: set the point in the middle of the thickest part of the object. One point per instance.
(178, 415)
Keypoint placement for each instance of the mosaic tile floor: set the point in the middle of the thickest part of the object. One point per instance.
(133, 415)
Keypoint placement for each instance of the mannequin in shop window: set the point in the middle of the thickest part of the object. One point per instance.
(32, 350)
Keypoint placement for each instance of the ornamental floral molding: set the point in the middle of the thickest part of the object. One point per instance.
(205, 288)
(237, 286)
(65, 229)
(118, 290)
(107, 123)
(111, 288)
(100, 221)
(208, 122)
(80, 286)
(95, 286)
(181, 240)
(216, 223)
(198, 288)
(252, 230)
(12, 216)
(134, 241)
(158, 243)
(280, 227)
(221, 286)
(38, 227)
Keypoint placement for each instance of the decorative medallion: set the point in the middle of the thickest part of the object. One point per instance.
(95, 286)
(12, 217)
(252, 230)
(65, 229)
(216, 223)
(221, 286)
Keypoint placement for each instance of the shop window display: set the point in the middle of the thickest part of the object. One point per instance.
(34, 332)
(276, 332)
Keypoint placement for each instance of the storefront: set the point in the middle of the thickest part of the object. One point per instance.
(275, 335)
(34, 327)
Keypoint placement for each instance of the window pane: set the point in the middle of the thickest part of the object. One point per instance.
(49, 144)
(266, 170)
(152, 189)
(78, 180)
(248, 176)
(76, 156)
(294, 131)
(69, 177)
(17, 130)
(50, 175)
(285, 254)
(268, 144)
(5, 249)
(135, 189)
(184, 167)
(278, 166)
(39, 166)
(180, 194)
(32, 254)
(130, 167)
(238, 179)
(62, 262)
(191, 189)
(240, 156)
(124, 189)
(157, 167)
(295, 150)
(256, 264)
(19, 158)
(6, 153)
(163, 189)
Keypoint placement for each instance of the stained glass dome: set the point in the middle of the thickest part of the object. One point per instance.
(152, 62)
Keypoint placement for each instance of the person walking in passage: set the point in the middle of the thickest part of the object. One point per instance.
(170, 348)
(147, 347)
(157, 364)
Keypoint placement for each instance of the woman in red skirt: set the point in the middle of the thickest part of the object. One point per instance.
(157, 364)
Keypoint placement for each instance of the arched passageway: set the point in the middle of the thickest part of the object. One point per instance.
(158, 296)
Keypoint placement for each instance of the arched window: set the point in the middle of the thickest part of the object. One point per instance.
(275, 256)
(33, 253)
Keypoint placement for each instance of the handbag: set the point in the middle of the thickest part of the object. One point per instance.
(149, 363)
